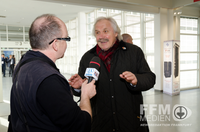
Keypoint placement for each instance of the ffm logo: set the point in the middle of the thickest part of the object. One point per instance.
(181, 112)
(161, 112)
(161, 109)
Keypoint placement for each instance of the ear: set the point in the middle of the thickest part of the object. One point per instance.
(55, 45)
(116, 34)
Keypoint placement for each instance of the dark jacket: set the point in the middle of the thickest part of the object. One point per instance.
(3, 62)
(116, 106)
(46, 98)
(24, 90)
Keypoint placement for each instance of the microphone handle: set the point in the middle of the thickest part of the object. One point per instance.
(90, 79)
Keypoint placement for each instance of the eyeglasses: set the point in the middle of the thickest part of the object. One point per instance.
(66, 39)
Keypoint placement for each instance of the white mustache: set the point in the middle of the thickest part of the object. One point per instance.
(103, 40)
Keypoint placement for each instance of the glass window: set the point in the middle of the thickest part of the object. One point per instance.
(133, 22)
(68, 64)
(188, 79)
(27, 30)
(91, 40)
(188, 25)
(14, 37)
(114, 12)
(2, 29)
(26, 37)
(188, 61)
(73, 33)
(132, 18)
(149, 45)
(15, 30)
(118, 19)
(149, 28)
(101, 12)
(188, 43)
(3, 37)
(90, 28)
(133, 30)
(73, 24)
(189, 53)
(150, 60)
(90, 17)
(149, 17)
(137, 42)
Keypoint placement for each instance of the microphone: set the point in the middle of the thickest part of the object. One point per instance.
(92, 71)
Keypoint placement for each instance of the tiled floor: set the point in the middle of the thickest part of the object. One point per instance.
(159, 109)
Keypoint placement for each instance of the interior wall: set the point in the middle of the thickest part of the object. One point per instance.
(180, 3)
(190, 11)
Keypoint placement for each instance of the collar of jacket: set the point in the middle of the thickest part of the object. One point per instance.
(37, 54)
(122, 46)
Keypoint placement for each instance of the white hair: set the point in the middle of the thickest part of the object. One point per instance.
(113, 23)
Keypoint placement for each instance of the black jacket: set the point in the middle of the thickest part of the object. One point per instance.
(116, 106)
(46, 99)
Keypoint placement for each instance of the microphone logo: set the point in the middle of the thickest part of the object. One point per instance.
(92, 72)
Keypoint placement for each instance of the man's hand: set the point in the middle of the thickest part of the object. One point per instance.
(76, 81)
(88, 90)
(129, 77)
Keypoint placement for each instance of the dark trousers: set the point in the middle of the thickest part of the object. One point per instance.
(11, 70)
(3, 70)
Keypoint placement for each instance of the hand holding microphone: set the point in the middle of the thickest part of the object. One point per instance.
(92, 75)
(88, 88)
(92, 71)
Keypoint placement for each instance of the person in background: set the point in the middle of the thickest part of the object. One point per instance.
(3, 64)
(41, 98)
(127, 38)
(124, 75)
(12, 64)
(9, 61)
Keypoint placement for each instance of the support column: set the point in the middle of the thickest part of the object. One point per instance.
(1, 87)
(167, 28)
(82, 36)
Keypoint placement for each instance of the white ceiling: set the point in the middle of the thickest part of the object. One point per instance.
(23, 12)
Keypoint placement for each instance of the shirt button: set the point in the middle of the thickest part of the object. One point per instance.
(110, 79)
(112, 96)
(113, 113)
(113, 130)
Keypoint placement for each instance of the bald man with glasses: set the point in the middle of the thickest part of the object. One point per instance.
(41, 98)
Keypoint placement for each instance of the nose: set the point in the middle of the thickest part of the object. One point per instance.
(101, 35)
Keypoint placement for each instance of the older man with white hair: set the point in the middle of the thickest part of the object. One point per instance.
(124, 74)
